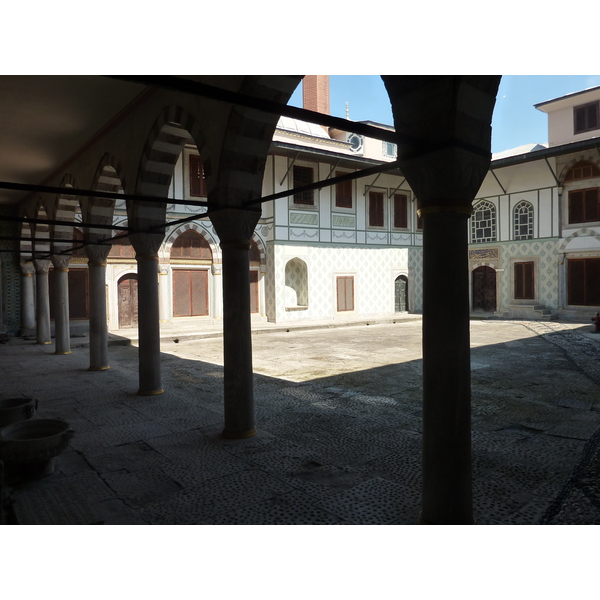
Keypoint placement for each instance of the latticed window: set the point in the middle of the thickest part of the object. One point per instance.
(191, 244)
(523, 221)
(582, 170)
(303, 176)
(483, 223)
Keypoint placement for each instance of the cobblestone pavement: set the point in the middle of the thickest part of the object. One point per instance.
(339, 418)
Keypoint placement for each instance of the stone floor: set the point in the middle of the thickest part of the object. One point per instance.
(339, 418)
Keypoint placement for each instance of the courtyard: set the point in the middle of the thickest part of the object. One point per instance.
(338, 412)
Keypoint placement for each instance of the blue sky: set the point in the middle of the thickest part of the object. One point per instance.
(515, 121)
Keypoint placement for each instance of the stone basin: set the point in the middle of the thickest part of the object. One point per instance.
(13, 410)
(28, 448)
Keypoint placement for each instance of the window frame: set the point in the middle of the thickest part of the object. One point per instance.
(349, 189)
(572, 218)
(347, 279)
(404, 211)
(200, 192)
(493, 223)
(524, 266)
(383, 211)
(583, 109)
(516, 225)
(297, 199)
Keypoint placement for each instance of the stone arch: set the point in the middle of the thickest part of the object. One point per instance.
(580, 232)
(108, 178)
(588, 158)
(260, 245)
(207, 235)
(296, 283)
(241, 165)
(122, 246)
(26, 243)
(173, 128)
(41, 232)
(401, 303)
(65, 209)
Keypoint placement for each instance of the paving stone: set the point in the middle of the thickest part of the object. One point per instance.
(135, 456)
(217, 496)
(376, 501)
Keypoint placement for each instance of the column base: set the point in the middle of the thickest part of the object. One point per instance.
(234, 435)
(150, 393)
(43, 343)
(67, 352)
(99, 368)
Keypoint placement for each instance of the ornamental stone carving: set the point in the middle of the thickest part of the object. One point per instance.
(61, 261)
(27, 268)
(235, 223)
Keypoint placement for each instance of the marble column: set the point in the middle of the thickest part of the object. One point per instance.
(217, 291)
(164, 307)
(447, 488)
(146, 247)
(42, 302)
(234, 228)
(27, 299)
(62, 332)
(97, 294)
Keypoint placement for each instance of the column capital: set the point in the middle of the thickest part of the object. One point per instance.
(41, 266)
(146, 245)
(235, 224)
(97, 253)
(61, 261)
(27, 268)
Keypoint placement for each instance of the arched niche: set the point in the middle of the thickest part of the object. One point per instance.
(296, 283)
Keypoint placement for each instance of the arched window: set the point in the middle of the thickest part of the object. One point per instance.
(483, 223)
(122, 248)
(191, 244)
(523, 220)
(582, 170)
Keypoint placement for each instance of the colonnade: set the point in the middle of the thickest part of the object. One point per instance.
(445, 171)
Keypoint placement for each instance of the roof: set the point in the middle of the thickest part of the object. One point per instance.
(518, 150)
(297, 126)
(566, 97)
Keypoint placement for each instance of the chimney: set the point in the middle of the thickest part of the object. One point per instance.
(315, 93)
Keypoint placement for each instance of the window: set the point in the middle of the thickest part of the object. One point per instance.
(376, 215)
(583, 276)
(523, 216)
(524, 285)
(345, 293)
(584, 206)
(303, 176)
(483, 223)
(586, 117)
(197, 181)
(190, 244)
(582, 170)
(390, 150)
(121, 248)
(343, 193)
(400, 211)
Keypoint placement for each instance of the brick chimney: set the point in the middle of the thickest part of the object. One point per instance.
(315, 93)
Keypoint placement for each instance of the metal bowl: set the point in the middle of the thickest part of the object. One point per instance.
(13, 410)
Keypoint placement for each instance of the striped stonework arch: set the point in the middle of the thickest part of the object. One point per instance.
(65, 209)
(261, 248)
(241, 164)
(174, 128)
(212, 242)
(482, 264)
(588, 158)
(41, 232)
(580, 232)
(26, 245)
(108, 178)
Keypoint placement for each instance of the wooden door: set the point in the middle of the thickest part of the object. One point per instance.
(190, 293)
(253, 291)
(401, 293)
(584, 281)
(128, 301)
(484, 289)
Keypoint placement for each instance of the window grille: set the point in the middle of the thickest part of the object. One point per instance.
(483, 223)
(523, 221)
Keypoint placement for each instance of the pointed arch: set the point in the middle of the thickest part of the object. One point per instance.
(64, 210)
(483, 222)
(41, 233)
(580, 168)
(207, 235)
(173, 128)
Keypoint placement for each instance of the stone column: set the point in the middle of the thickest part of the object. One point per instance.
(62, 332)
(164, 307)
(42, 302)
(98, 328)
(27, 300)
(146, 254)
(217, 291)
(234, 228)
(447, 489)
